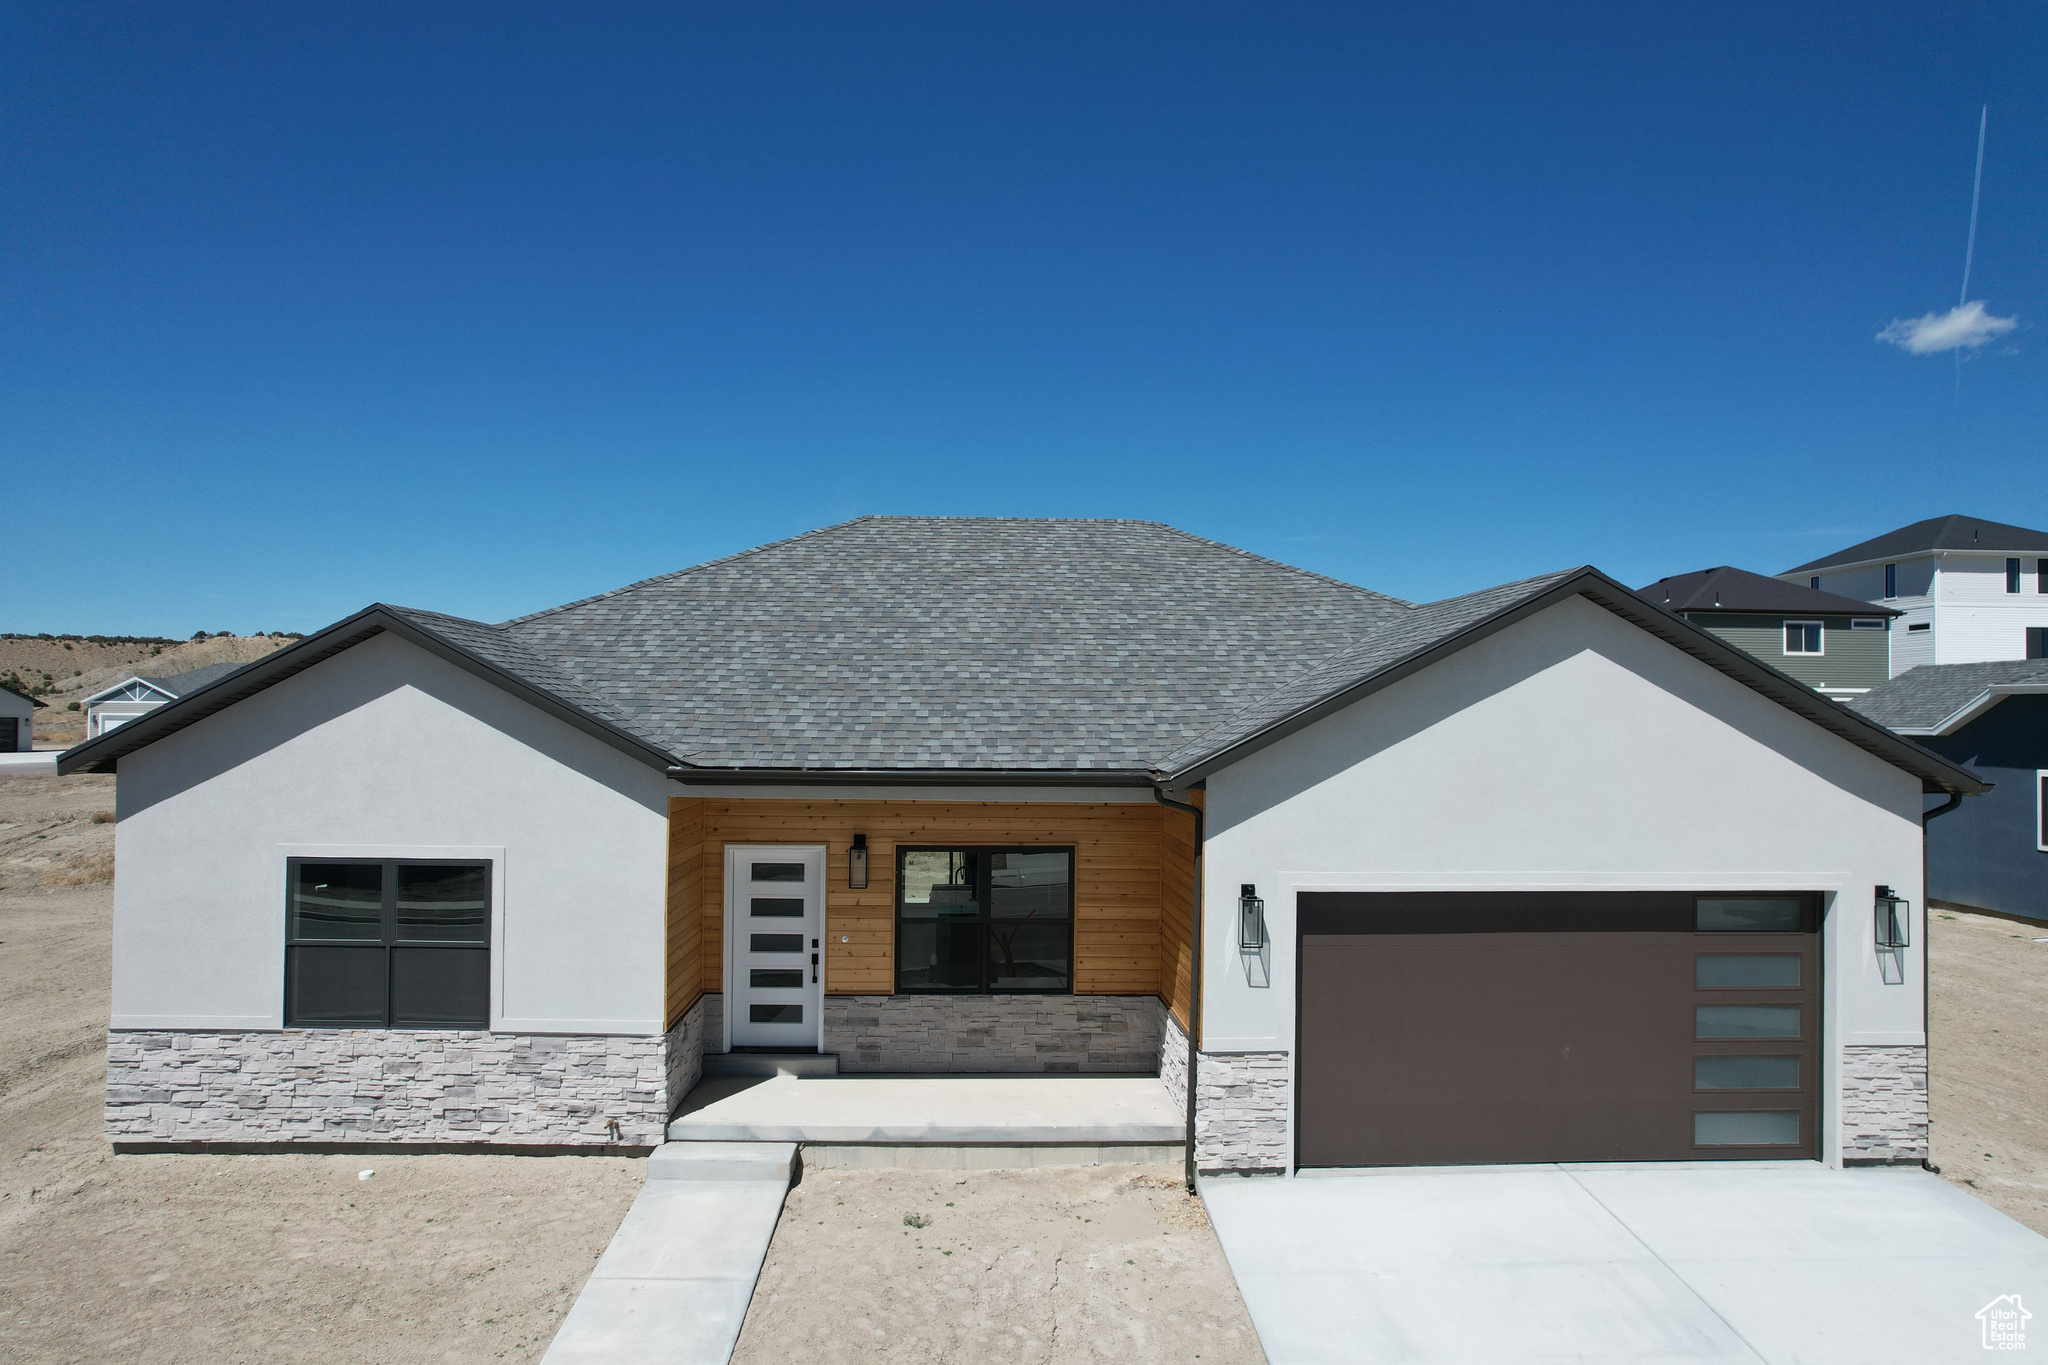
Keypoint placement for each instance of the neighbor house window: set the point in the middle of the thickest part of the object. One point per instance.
(2037, 642)
(387, 943)
(1891, 580)
(2041, 808)
(1802, 637)
(981, 921)
(2012, 575)
(1922, 625)
(2041, 575)
(1867, 623)
(1813, 582)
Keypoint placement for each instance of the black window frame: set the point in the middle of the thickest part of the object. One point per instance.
(2037, 643)
(2012, 574)
(2041, 575)
(388, 939)
(1891, 581)
(983, 899)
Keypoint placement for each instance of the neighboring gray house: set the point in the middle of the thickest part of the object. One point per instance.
(1992, 718)
(17, 721)
(1970, 590)
(1835, 645)
(979, 795)
(124, 701)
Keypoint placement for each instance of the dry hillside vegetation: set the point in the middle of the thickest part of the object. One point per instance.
(75, 669)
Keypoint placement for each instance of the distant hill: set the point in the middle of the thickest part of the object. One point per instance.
(61, 669)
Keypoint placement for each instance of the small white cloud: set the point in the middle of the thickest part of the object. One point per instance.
(1967, 325)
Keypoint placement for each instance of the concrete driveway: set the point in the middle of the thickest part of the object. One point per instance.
(1775, 1262)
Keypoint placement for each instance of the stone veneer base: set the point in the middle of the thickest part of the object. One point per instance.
(990, 1034)
(391, 1086)
(1884, 1104)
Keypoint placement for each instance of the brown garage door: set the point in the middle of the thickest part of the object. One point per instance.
(1452, 1028)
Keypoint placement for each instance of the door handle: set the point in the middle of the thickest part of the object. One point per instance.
(814, 969)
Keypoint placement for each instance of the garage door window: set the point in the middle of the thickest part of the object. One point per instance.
(1733, 1128)
(1753, 915)
(1746, 971)
(1745, 1073)
(1746, 1021)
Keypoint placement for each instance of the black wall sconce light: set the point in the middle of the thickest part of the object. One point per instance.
(1251, 919)
(1893, 920)
(857, 863)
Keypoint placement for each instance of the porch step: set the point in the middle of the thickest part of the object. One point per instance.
(932, 1111)
(722, 1161)
(771, 1064)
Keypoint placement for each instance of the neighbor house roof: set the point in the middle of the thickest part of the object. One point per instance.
(900, 647)
(1955, 532)
(174, 686)
(1739, 590)
(1939, 699)
(32, 701)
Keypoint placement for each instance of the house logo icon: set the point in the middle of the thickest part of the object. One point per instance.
(2005, 1323)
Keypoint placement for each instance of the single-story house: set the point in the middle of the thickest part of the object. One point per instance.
(1836, 645)
(1991, 718)
(124, 701)
(1543, 872)
(17, 721)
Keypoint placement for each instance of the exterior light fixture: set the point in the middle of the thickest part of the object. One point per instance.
(857, 863)
(1893, 919)
(1251, 919)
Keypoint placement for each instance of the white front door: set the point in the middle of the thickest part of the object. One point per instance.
(774, 931)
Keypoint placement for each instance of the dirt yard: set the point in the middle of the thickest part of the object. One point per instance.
(237, 1258)
(1989, 1035)
(924, 1267)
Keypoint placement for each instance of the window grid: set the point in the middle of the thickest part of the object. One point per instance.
(424, 967)
(978, 934)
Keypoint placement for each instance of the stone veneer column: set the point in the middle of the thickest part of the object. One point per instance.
(1884, 1104)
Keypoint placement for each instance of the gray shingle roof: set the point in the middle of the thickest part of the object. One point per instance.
(1921, 698)
(1730, 589)
(1398, 641)
(933, 642)
(1953, 532)
(902, 645)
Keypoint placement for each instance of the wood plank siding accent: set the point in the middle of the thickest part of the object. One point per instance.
(1125, 898)
(1177, 907)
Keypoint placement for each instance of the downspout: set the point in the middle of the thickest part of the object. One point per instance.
(1926, 957)
(1194, 974)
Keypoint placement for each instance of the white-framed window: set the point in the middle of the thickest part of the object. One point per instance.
(2041, 809)
(1867, 623)
(1803, 637)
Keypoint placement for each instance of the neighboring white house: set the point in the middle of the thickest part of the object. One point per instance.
(1539, 873)
(1973, 591)
(17, 722)
(117, 705)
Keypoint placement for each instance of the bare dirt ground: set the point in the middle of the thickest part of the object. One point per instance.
(1988, 1035)
(237, 1258)
(922, 1267)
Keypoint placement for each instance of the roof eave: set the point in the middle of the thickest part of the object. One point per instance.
(913, 777)
(1936, 773)
(101, 755)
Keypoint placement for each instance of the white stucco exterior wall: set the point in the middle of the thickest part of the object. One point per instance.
(386, 750)
(1570, 751)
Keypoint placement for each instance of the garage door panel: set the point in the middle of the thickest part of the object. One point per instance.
(1566, 1045)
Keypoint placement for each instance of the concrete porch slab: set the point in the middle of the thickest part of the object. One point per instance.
(931, 1110)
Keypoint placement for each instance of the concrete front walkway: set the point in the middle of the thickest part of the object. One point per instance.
(1774, 1262)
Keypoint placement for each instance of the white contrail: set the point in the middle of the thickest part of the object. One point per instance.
(1976, 193)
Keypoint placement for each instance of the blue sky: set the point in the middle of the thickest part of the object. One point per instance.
(483, 308)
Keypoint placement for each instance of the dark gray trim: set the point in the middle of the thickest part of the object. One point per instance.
(100, 755)
(911, 777)
(1935, 772)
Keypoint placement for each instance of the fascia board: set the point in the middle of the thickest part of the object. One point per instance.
(138, 678)
(913, 777)
(1974, 708)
